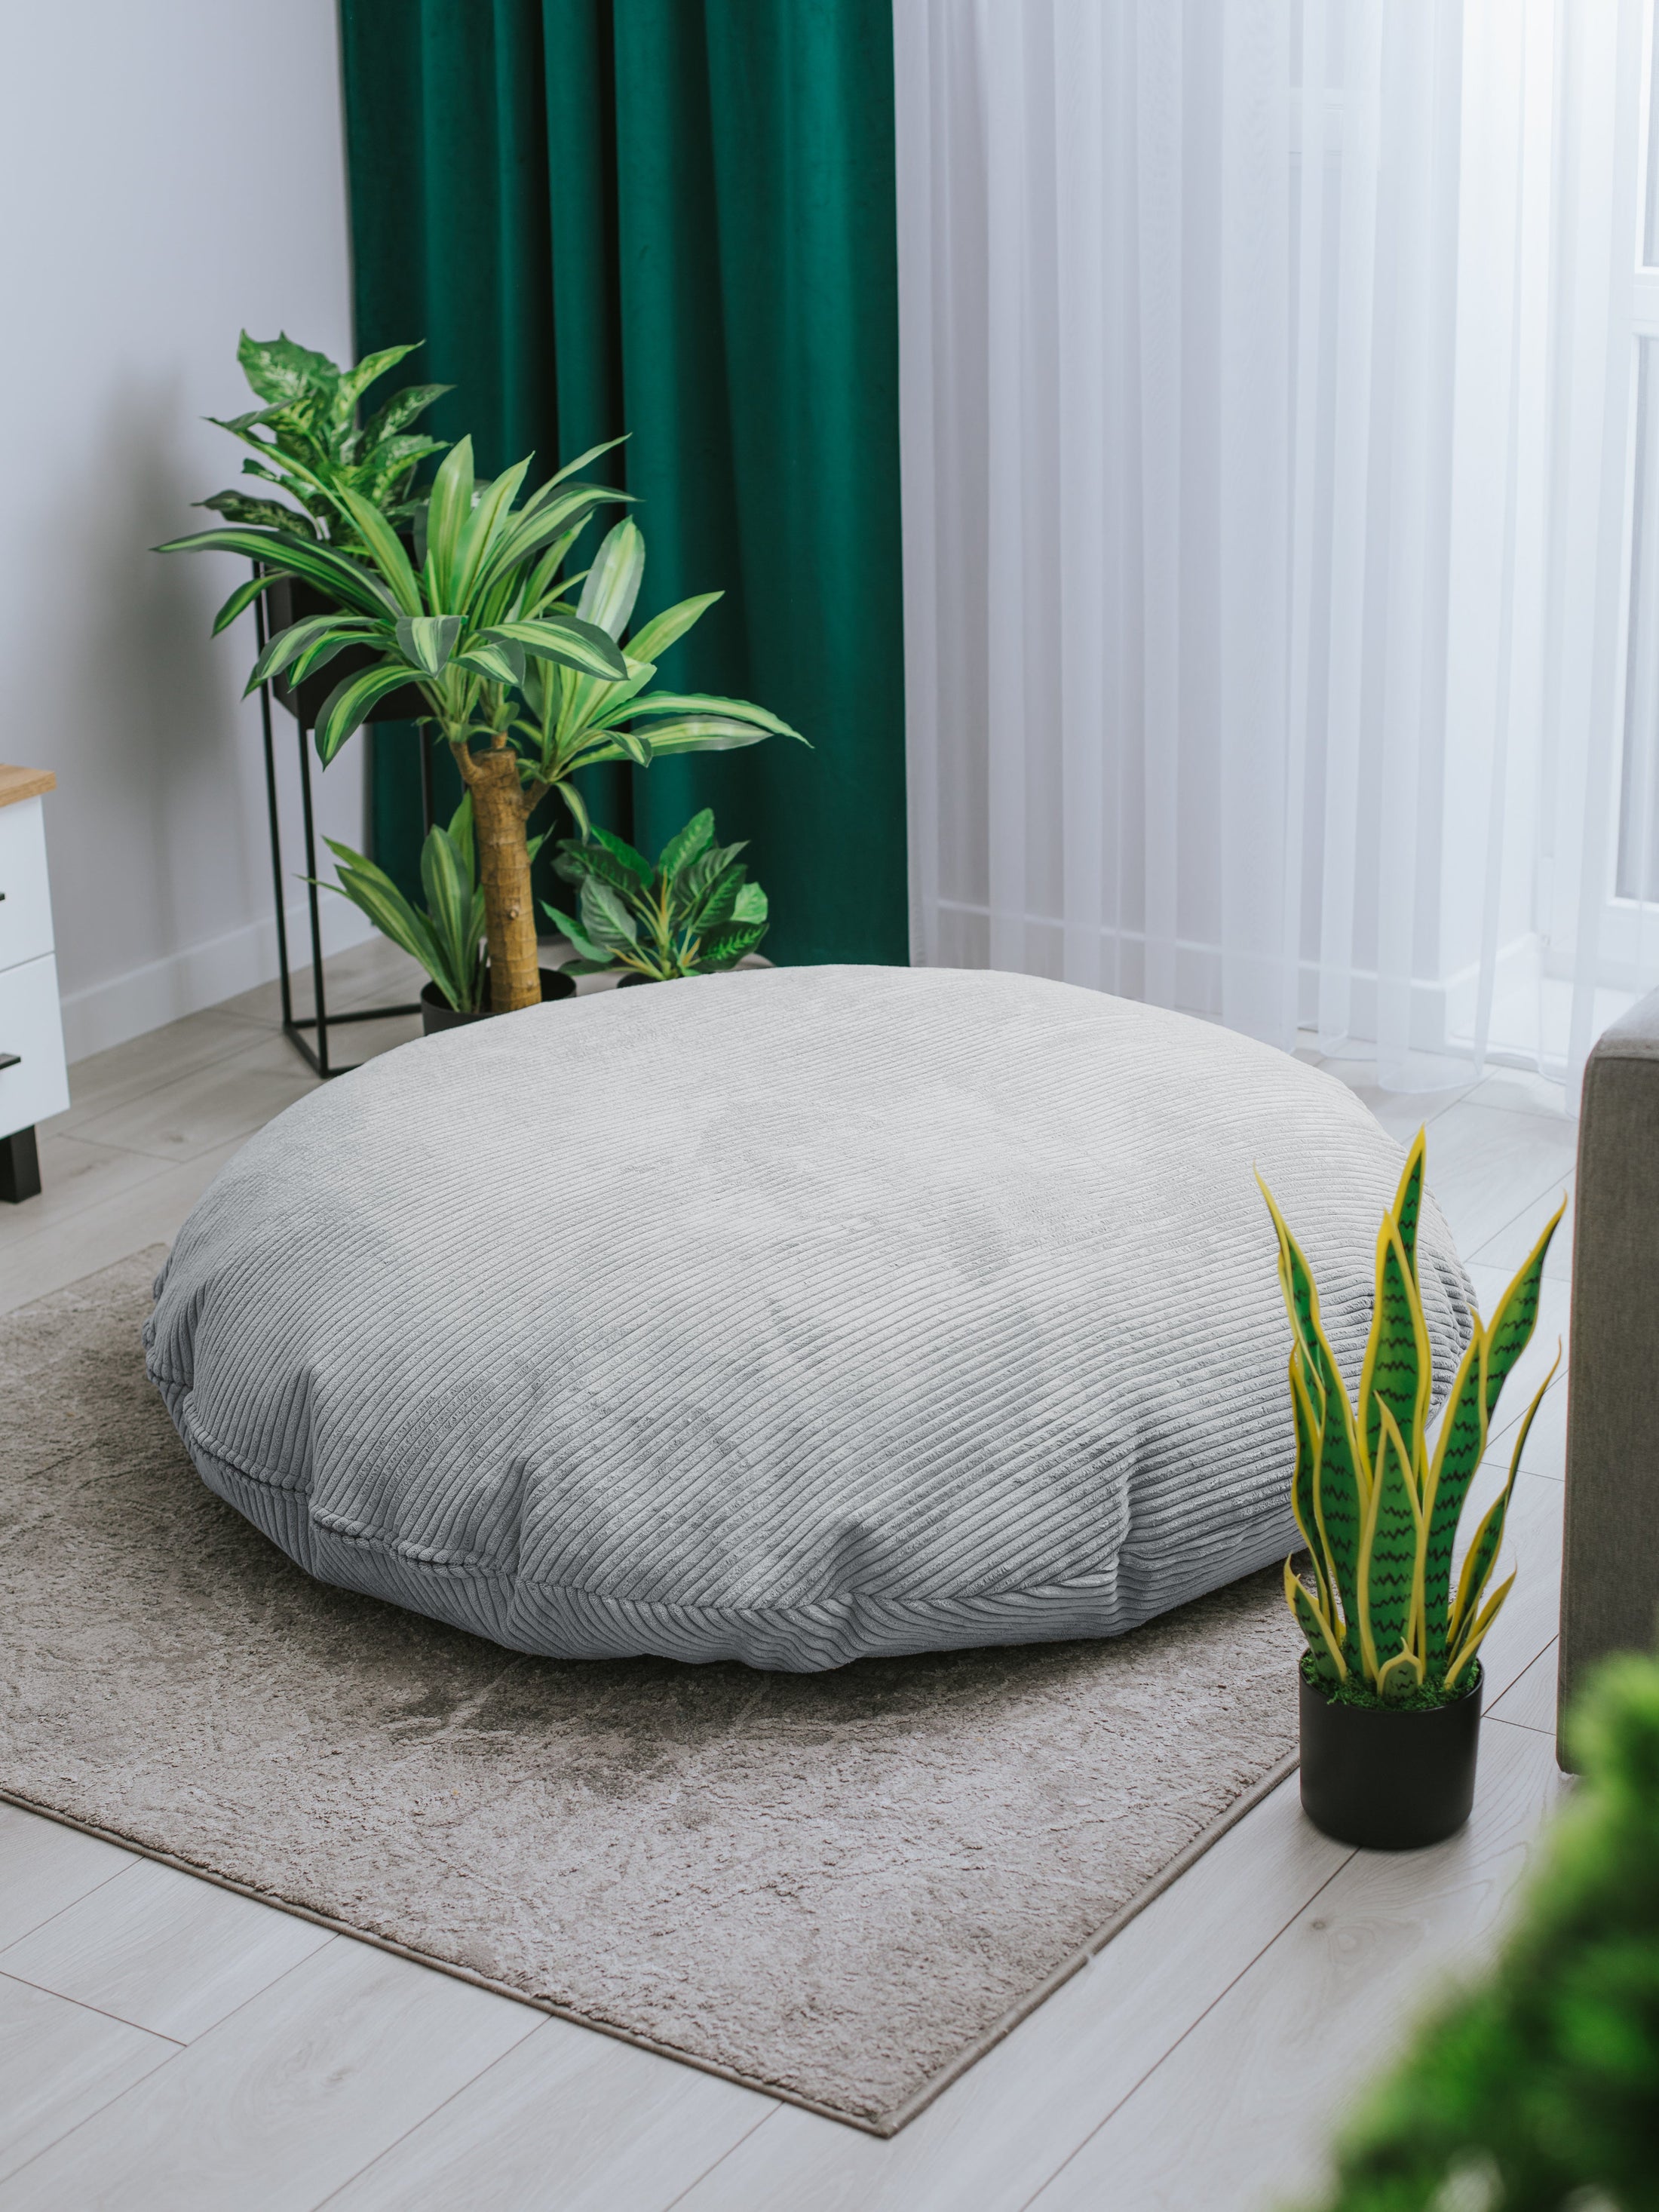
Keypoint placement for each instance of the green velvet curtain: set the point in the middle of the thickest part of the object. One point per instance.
(674, 217)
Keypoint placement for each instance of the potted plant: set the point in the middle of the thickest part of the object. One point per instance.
(1535, 2088)
(447, 936)
(1390, 1688)
(693, 913)
(310, 444)
(524, 689)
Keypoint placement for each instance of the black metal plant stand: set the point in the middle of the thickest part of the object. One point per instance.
(294, 1026)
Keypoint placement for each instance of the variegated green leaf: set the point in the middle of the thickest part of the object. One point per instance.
(448, 887)
(1397, 1370)
(1328, 1663)
(1408, 1202)
(700, 733)
(426, 641)
(687, 843)
(353, 382)
(578, 806)
(386, 549)
(567, 639)
(578, 936)
(371, 889)
(1399, 1676)
(319, 654)
(707, 705)
(242, 599)
(1387, 1551)
(347, 706)
(606, 918)
(1304, 1491)
(1482, 1555)
(1516, 1313)
(1464, 1655)
(343, 579)
(286, 645)
(498, 660)
(634, 862)
(653, 638)
(446, 512)
(479, 533)
(729, 942)
(613, 581)
(1461, 1442)
(1295, 1284)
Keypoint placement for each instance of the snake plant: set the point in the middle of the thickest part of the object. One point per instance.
(1377, 1507)
(691, 914)
(311, 445)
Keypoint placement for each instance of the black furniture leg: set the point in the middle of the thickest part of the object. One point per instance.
(294, 1026)
(20, 1167)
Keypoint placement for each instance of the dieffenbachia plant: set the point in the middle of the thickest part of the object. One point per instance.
(476, 627)
(310, 444)
(693, 913)
(1377, 1508)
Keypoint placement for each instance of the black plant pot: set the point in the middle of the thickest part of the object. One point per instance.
(288, 601)
(1388, 1781)
(437, 1013)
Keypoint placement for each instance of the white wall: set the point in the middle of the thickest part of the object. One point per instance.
(170, 171)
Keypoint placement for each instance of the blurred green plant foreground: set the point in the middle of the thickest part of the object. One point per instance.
(1538, 2091)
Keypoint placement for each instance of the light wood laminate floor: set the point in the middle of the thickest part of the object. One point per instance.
(166, 2045)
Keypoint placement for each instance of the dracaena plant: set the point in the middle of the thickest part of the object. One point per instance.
(1378, 1507)
(573, 720)
(523, 687)
(693, 913)
(448, 935)
(486, 598)
(311, 445)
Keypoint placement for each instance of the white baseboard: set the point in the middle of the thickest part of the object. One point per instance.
(104, 1014)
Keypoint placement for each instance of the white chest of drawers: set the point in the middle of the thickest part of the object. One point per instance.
(33, 1082)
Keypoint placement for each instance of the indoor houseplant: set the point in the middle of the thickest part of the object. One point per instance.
(691, 914)
(1391, 1677)
(1536, 2090)
(311, 445)
(446, 935)
(523, 687)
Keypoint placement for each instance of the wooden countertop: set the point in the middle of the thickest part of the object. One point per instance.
(24, 783)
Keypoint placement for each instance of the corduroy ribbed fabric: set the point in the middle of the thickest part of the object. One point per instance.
(786, 1316)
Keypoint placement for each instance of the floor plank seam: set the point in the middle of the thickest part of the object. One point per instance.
(23, 1936)
(1192, 2025)
(442, 2105)
(10, 2174)
(45, 1990)
(731, 2151)
(901, 2115)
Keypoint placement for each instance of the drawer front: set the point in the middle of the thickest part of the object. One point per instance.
(31, 1027)
(25, 901)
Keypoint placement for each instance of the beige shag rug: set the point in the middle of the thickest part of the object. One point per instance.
(837, 1888)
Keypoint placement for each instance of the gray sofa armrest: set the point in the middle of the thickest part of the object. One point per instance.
(1610, 1564)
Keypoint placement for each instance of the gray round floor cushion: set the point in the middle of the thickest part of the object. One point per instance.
(784, 1317)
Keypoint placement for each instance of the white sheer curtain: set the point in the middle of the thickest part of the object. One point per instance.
(1270, 422)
